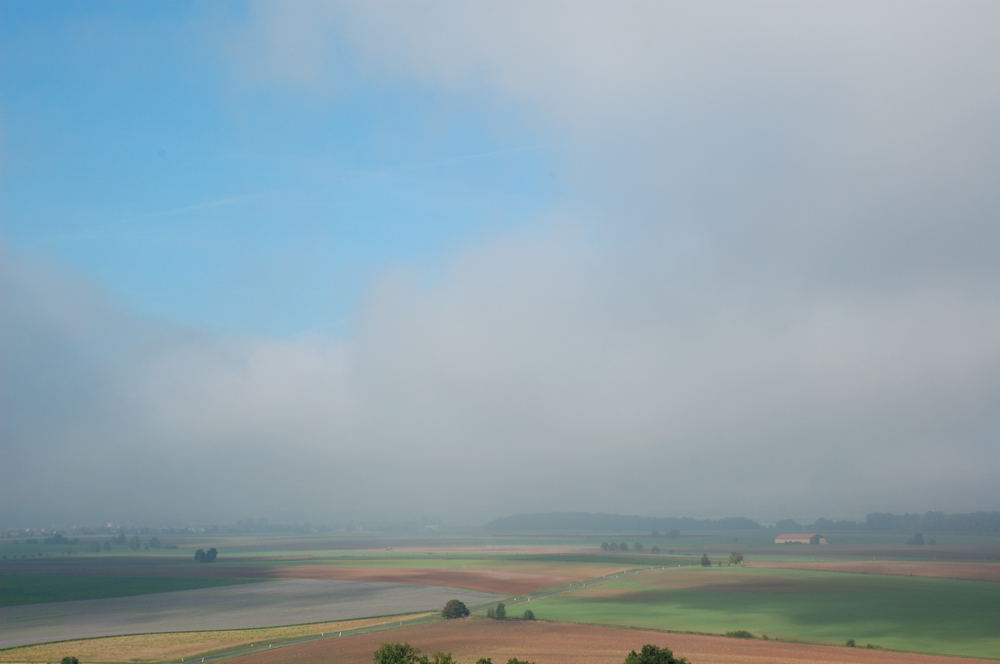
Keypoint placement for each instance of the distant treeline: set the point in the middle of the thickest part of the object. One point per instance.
(585, 521)
(986, 523)
(983, 523)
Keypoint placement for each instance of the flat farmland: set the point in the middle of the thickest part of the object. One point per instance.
(509, 575)
(175, 645)
(16, 589)
(561, 643)
(939, 570)
(944, 616)
(284, 602)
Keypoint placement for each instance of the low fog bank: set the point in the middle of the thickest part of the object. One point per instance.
(485, 398)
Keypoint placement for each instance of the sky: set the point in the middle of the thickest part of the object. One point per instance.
(340, 261)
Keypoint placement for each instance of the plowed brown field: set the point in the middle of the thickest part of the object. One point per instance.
(508, 582)
(972, 571)
(563, 643)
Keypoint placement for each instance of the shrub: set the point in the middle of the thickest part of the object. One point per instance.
(398, 653)
(653, 655)
(850, 643)
(740, 634)
(455, 609)
(528, 614)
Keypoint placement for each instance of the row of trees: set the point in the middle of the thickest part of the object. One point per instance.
(735, 558)
(404, 653)
(638, 547)
(457, 609)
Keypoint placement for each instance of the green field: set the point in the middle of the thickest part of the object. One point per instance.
(905, 613)
(16, 589)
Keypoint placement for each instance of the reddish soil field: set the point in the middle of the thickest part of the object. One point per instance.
(563, 643)
(505, 582)
(973, 571)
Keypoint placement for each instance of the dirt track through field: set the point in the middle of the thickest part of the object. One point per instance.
(564, 643)
(285, 602)
(943, 570)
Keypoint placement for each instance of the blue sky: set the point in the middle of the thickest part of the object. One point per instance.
(133, 154)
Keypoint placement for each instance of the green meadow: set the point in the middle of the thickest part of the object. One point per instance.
(942, 616)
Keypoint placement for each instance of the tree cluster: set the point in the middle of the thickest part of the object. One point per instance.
(203, 556)
(454, 609)
(404, 653)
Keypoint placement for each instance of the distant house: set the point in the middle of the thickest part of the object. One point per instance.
(800, 538)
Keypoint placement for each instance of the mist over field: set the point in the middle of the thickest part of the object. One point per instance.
(764, 279)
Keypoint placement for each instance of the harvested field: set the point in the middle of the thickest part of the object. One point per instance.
(175, 645)
(561, 643)
(971, 571)
(286, 602)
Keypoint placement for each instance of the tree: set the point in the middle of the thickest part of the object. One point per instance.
(655, 549)
(735, 558)
(199, 555)
(528, 614)
(654, 655)
(70, 660)
(604, 546)
(916, 539)
(442, 658)
(398, 653)
(134, 543)
(515, 660)
(211, 555)
(454, 609)
(501, 611)
(705, 562)
(638, 546)
(622, 546)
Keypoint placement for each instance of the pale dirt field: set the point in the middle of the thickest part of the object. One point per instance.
(265, 604)
(564, 643)
(174, 645)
